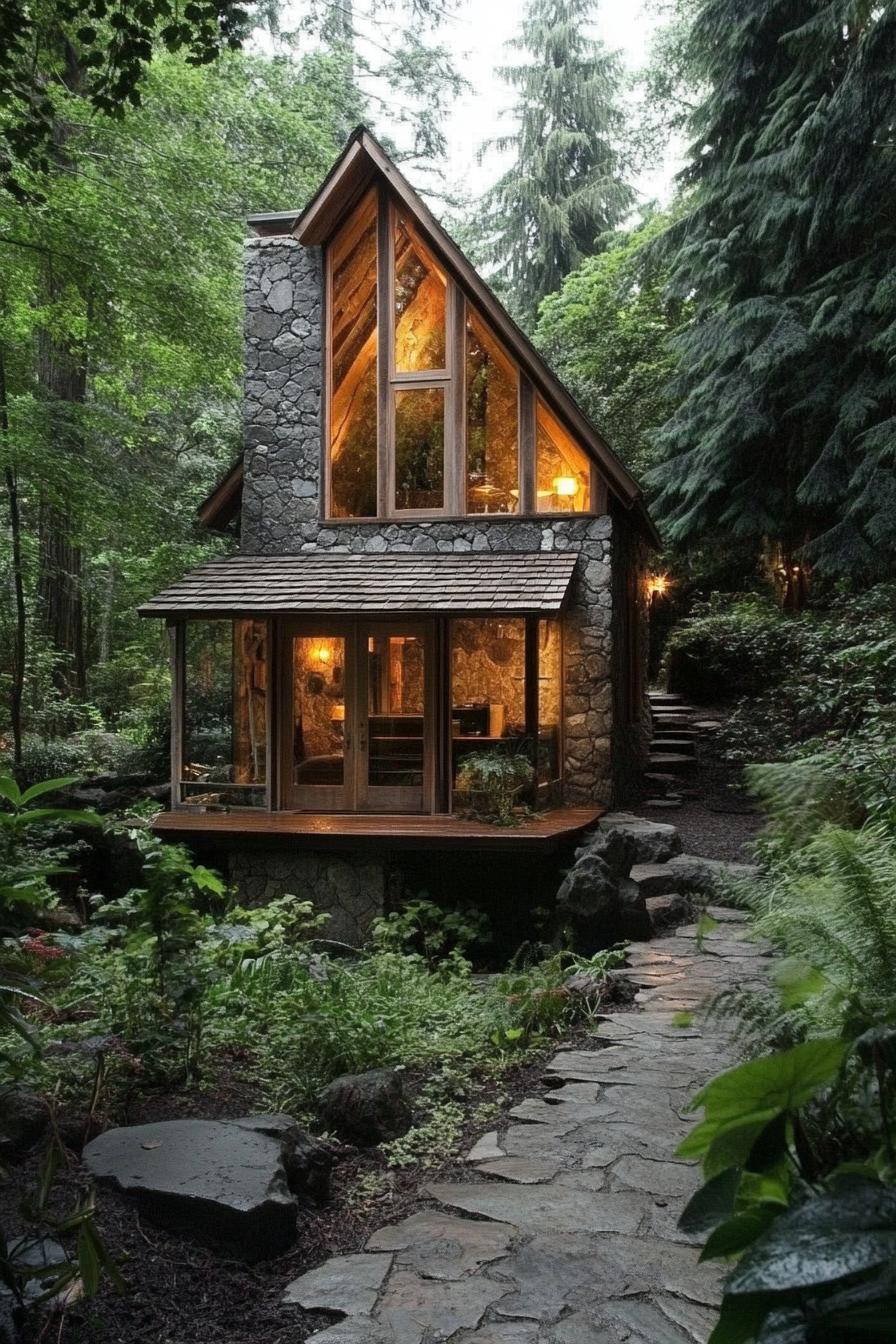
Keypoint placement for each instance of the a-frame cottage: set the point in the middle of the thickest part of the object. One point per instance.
(439, 554)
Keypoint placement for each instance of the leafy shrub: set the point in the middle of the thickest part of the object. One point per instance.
(432, 930)
(490, 784)
(821, 673)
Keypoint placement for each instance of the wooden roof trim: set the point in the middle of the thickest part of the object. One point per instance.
(222, 504)
(337, 195)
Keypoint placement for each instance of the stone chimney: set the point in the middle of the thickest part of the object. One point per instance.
(282, 410)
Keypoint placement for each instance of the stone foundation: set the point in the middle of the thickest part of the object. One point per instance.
(351, 891)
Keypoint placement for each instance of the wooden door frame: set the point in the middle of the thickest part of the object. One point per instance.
(324, 627)
(388, 800)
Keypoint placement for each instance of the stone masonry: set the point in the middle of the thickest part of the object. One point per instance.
(281, 498)
(350, 890)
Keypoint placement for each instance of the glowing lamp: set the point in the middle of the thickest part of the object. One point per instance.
(323, 654)
(567, 487)
(658, 585)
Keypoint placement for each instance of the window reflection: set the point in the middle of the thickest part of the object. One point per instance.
(420, 448)
(353, 405)
(420, 291)
(488, 679)
(224, 752)
(550, 694)
(491, 396)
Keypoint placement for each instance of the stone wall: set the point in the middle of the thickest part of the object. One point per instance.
(281, 509)
(352, 891)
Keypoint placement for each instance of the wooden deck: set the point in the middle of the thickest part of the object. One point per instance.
(553, 830)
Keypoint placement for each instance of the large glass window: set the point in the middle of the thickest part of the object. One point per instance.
(353, 355)
(563, 472)
(224, 738)
(550, 700)
(427, 412)
(488, 686)
(492, 385)
(420, 448)
(419, 302)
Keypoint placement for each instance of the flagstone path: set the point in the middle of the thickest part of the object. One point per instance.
(566, 1230)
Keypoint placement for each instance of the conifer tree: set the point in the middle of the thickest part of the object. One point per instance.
(565, 188)
(786, 246)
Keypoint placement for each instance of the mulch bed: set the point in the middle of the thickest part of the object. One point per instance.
(183, 1293)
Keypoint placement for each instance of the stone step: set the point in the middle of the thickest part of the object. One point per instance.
(665, 697)
(668, 911)
(670, 723)
(660, 784)
(670, 803)
(656, 879)
(671, 761)
(685, 745)
(664, 731)
(672, 709)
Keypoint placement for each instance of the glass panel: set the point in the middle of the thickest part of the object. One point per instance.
(492, 454)
(396, 710)
(419, 305)
(224, 756)
(318, 711)
(563, 472)
(550, 699)
(353, 403)
(488, 677)
(420, 448)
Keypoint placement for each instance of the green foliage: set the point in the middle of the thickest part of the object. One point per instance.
(785, 247)
(607, 334)
(814, 1254)
(566, 187)
(25, 864)
(434, 931)
(818, 676)
(490, 783)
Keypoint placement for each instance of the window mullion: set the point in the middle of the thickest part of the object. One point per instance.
(385, 307)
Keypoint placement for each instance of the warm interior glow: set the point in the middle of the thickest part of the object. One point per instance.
(353, 347)
(492, 432)
(563, 472)
(420, 300)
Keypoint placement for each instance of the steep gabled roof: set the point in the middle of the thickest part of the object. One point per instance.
(363, 162)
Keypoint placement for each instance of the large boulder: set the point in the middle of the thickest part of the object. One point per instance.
(598, 908)
(693, 872)
(221, 1181)
(650, 841)
(366, 1108)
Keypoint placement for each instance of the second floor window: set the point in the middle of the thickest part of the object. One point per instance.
(427, 413)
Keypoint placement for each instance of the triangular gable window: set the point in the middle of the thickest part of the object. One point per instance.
(427, 413)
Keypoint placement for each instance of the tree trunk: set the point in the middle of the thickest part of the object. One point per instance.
(62, 379)
(18, 581)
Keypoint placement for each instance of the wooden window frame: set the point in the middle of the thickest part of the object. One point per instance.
(453, 379)
(177, 635)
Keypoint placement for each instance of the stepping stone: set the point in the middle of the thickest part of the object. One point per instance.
(668, 760)
(522, 1170)
(696, 869)
(727, 914)
(486, 1149)
(665, 697)
(349, 1284)
(668, 910)
(550, 1208)
(435, 1308)
(213, 1180)
(684, 745)
(656, 879)
(654, 841)
(669, 804)
(441, 1246)
(671, 1180)
(707, 725)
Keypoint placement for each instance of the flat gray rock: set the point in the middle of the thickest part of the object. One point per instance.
(523, 1170)
(213, 1180)
(442, 1246)
(486, 1149)
(551, 1208)
(349, 1284)
(440, 1308)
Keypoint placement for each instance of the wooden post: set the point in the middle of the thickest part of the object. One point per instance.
(177, 633)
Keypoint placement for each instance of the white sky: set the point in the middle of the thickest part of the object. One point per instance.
(476, 36)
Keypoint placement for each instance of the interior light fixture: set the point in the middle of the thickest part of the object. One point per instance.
(565, 486)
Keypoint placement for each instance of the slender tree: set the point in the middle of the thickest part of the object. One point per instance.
(786, 246)
(566, 186)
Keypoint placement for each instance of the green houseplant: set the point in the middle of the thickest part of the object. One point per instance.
(490, 785)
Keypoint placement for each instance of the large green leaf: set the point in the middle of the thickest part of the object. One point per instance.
(779, 1082)
(797, 981)
(65, 816)
(729, 1145)
(10, 790)
(740, 1320)
(739, 1232)
(712, 1204)
(831, 1237)
(47, 786)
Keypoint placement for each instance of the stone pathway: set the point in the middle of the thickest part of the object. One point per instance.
(566, 1230)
